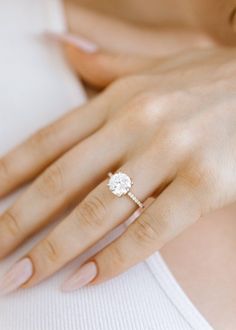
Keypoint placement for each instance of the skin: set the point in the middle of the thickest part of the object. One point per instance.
(214, 17)
(202, 260)
(185, 166)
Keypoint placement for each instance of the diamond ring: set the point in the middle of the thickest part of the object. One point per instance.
(120, 185)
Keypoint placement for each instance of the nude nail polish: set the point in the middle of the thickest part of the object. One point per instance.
(76, 41)
(19, 274)
(81, 278)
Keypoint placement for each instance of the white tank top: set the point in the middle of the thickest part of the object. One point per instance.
(36, 86)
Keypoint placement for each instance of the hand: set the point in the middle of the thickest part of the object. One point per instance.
(170, 127)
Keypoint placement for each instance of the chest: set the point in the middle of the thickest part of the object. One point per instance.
(217, 17)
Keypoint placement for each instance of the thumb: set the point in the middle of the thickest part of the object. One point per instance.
(99, 67)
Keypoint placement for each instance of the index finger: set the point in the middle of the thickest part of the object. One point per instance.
(31, 157)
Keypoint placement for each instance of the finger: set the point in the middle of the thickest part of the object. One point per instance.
(100, 212)
(27, 160)
(67, 180)
(175, 209)
(100, 67)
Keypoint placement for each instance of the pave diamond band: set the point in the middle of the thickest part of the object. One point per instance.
(135, 199)
(120, 185)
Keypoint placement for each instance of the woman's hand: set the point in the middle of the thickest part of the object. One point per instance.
(170, 127)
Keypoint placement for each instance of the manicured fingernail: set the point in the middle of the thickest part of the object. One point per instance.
(83, 277)
(19, 274)
(78, 42)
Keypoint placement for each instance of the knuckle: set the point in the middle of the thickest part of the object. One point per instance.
(118, 257)
(150, 109)
(169, 100)
(143, 104)
(165, 224)
(142, 111)
(196, 185)
(40, 141)
(183, 137)
(122, 83)
(194, 177)
(145, 231)
(162, 104)
(12, 224)
(49, 251)
(175, 135)
(91, 212)
(4, 170)
(50, 183)
(41, 138)
(169, 132)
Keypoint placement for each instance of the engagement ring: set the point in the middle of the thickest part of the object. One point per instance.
(120, 185)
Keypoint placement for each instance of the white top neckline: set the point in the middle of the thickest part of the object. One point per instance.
(175, 293)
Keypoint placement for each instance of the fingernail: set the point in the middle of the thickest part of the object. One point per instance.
(78, 42)
(19, 274)
(83, 277)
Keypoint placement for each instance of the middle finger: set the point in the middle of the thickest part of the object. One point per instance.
(66, 180)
